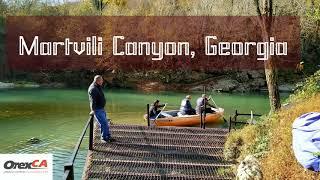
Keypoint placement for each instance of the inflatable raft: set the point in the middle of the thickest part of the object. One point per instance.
(171, 118)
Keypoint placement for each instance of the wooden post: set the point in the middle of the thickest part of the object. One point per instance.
(70, 175)
(236, 116)
(91, 133)
(148, 114)
(230, 124)
(200, 118)
(204, 115)
(205, 107)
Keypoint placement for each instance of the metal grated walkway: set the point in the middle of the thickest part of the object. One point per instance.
(142, 152)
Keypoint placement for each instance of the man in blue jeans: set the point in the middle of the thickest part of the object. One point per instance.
(97, 104)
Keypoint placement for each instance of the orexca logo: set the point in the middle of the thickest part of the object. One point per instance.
(26, 166)
(36, 164)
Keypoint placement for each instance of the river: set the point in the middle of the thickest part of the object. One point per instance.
(57, 116)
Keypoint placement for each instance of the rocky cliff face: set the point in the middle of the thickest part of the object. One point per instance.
(238, 82)
(245, 81)
(183, 80)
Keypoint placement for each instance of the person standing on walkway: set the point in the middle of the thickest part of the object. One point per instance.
(97, 104)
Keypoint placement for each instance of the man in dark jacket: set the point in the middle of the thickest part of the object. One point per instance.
(186, 107)
(97, 104)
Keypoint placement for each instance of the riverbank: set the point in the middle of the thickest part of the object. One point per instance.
(193, 81)
(270, 140)
(8, 85)
(153, 81)
(23, 84)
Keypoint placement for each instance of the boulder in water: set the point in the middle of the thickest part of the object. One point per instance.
(34, 140)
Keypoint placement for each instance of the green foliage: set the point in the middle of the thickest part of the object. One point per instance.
(313, 9)
(316, 154)
(314, 14)
(222, 171)
(3, 7)
(306, 89)
(261, 145)
(84, 8)
(35, 7)
(310, 35)
(252, 139)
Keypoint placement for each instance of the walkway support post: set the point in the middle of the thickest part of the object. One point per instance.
(91, 133)
(230, 124)
(200, 118)
(148, 114)
(205, 107)
(69, 174)
(69, 166)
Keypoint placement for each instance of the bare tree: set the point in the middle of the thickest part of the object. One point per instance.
(99, 5)
(265, 17)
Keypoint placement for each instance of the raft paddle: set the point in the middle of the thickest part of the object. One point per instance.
(213, 101)
(161, 111)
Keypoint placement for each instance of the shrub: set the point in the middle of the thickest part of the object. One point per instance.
(242, 142)
(306, 89)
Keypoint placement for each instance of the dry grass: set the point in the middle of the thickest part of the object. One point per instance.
(240, 143)
(279, 162)
(271, 139)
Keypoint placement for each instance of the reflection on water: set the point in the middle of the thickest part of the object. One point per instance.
(57, 117)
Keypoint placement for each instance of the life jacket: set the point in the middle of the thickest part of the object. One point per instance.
(185, 106)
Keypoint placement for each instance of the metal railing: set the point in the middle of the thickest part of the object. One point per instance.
(235, 121)
(69, 166)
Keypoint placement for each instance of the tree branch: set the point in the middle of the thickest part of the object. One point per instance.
(270, 8)
(258, 7)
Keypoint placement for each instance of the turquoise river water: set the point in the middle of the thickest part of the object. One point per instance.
(57, 117)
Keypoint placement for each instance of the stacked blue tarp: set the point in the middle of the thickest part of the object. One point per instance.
(306, 140)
